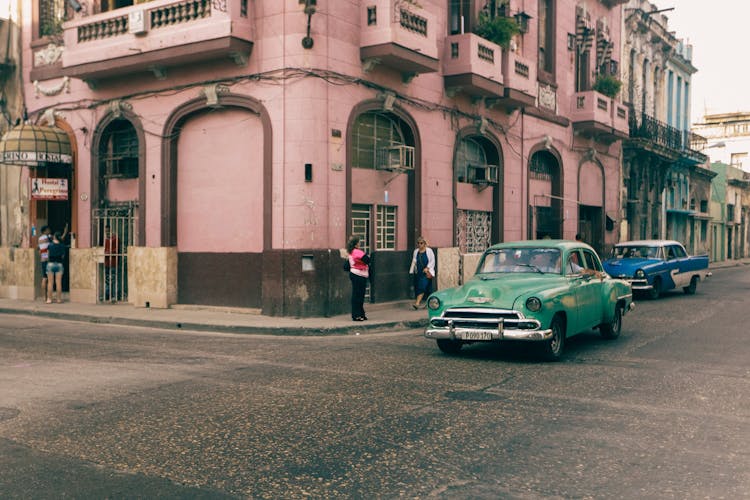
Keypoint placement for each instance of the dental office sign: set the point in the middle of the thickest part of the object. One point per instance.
(49, 189)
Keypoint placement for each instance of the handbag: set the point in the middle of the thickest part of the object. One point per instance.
(428, 274)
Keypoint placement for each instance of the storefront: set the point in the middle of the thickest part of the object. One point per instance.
(37, 186)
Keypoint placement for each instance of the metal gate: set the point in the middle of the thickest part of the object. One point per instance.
(113, 230)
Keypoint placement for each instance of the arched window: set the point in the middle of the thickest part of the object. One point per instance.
(543, 166)
(375, 131)
(470, 152)
(118, 151)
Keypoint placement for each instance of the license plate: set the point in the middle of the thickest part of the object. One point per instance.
(475, 335)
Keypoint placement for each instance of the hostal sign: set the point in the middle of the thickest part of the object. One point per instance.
(49, 189)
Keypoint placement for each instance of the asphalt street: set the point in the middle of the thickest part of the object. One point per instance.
(95, 411)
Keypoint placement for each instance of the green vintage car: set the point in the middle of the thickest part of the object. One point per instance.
(539, 291)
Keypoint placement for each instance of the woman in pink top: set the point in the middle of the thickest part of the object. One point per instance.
(359, 271)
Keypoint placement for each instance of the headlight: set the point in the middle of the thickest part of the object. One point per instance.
(433, 303)
(533, 304)
(640, 274)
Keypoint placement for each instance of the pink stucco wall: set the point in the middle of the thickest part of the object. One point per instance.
(219, 183)
(304, 109)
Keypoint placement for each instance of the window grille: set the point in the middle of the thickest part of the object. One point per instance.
(374, 132)
(52, 13)
(119, 150)
(386, 228)
(542, 167)
(470, 152)
(361, 225)
(474, 230)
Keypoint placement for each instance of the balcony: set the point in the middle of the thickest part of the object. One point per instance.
(598, 116)
(154, 35)
(472, 65)
(692, 145)
(519, 79)
(652, 135)
(399, 35)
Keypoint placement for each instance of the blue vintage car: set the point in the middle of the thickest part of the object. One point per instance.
(656, 266)
(539, 291)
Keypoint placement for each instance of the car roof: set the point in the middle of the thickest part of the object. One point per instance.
(648, 243)
(558, 244)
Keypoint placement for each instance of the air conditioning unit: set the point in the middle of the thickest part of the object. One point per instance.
(482, 174)
(395, 158)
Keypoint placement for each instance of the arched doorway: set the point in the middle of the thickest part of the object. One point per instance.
(117, 220)
(545, 196)
(591, 204)
(478, 175)
(216, 201)
(383, 169)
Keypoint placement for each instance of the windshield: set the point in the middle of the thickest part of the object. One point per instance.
(635, 251)
(520, 260)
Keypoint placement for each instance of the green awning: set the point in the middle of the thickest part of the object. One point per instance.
(35, 145)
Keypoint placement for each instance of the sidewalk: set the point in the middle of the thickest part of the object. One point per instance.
(381, 317)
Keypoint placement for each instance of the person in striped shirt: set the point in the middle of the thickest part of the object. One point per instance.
(44, 240)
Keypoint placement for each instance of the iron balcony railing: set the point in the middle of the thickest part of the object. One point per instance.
(643, 126)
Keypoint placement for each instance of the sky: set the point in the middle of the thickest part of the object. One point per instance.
(720, 34)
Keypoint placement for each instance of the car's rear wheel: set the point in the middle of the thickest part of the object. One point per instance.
(655, 290)
(612, 329)
(552, 349)
(449, 346)
(690, 289)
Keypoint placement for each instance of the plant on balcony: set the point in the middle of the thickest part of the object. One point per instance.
(607, 85)
(499, 30)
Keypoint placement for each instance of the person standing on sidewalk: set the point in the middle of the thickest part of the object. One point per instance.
(55, 268)
(43, 244)
(359, 271)
(423, 270)
(111, 263)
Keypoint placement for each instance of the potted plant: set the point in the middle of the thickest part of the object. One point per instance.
(497, 29)
(607, 85)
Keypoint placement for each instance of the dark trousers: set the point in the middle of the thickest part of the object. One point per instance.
(359, 285)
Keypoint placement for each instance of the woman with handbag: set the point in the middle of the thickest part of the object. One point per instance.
(423, 270)
(359, 271)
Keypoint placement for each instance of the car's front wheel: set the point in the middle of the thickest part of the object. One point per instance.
(449, 346)
(655, 290)
(552, 349)
(612, 329)
(690, 289)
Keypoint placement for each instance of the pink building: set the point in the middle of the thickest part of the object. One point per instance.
(234, 145)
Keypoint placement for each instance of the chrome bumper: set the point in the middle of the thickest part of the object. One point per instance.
(456, 329)
(637, 284)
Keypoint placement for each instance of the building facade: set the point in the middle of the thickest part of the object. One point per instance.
(729, 212)
(666, 180)
(233, 146)
(728, 138)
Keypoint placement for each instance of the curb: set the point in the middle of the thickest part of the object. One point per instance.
(219, 328)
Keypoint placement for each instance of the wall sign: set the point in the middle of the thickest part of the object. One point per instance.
(49, 189)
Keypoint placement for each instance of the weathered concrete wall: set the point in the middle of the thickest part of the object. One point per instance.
(18, 269)
(470, 266)
(83, 272)
(447, 267)
(152, 276)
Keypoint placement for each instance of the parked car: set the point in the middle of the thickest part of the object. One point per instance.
(656, 266)
(540, 291)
